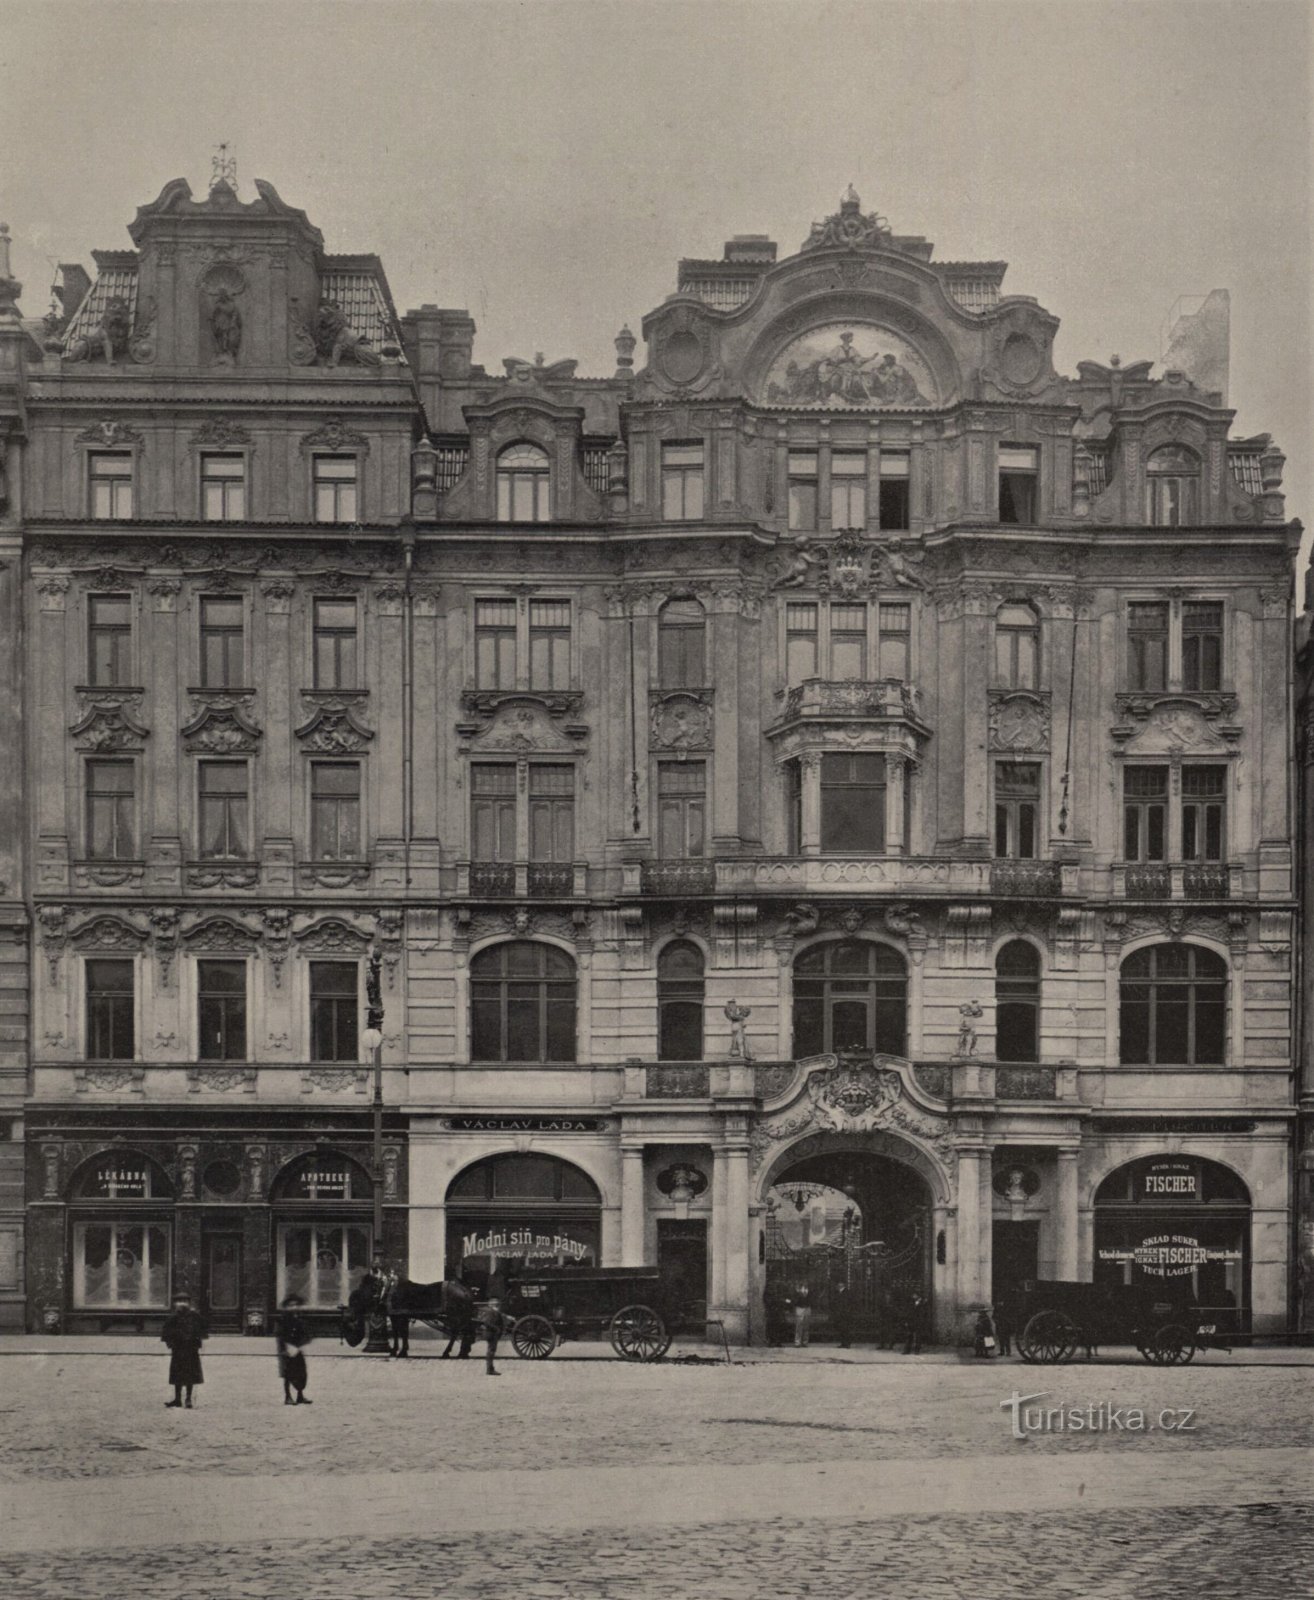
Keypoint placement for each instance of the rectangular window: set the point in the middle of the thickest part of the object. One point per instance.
(1017, 809)
(681, 808)
(896, 641)
(335, 810)
(852, 804)
(223, 802)
(493, 811)
(552, 812)
(1145, 813)
(334, 1022)
(223, 488)
(800, 641)
(335, 644)
(1204, 803)
(549, 644)
(120, 1265)
(495, 644)
(1019, 468)
(803, 490)
(109, 639)
(335, 488)
(895, 499)
(1017, 639)
(111, 1029)
(110, 804)
(682, 482)
(848, 641)
(848, 489)
(1202, 644)
(111, 485)
(221, 642)
(1147, 644)
(221, 1010)
(1171, 499)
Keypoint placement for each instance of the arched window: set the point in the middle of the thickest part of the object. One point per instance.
(1017, 1003)
(121, 1238)
(522, 1003)
(512, 1212)
(680, 1002)
(1173, 1006)
(523, 484)
(324, 1238)
(681, 636)
(850, 996)
(1017, 647)
(1172, 487)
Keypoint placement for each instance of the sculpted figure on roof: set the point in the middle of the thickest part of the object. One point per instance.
(334, 338)
(108, 339)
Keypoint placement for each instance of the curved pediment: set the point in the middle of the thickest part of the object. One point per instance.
(850, 363)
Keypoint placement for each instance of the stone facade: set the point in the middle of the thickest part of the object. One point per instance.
(757, 771)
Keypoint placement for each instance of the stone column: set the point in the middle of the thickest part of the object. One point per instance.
(723, 666)
(719, 1231)
(1067, 1232)
(896, 801)
(162, 645)
(810, 822)
(969, 1229)
(736, 1240)
(632, 1209)
(278, 591)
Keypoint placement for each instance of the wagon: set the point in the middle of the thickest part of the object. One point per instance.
(1056, 1318)
(625, 1304)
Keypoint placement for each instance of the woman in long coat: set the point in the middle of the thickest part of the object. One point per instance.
(184, 1333)
(292, 1337)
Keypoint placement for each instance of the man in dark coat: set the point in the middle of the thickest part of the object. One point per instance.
(913, 1324)
(184, 1333)
(841, 1314)
(491, 1322)
(292, 1336)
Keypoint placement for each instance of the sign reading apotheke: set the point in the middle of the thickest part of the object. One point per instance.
(525, 1244)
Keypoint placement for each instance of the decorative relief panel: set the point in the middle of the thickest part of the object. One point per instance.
(222, 724)
(333, 935)
(1169, 725)
(221, 1080)
(681, 720)
(109, 720)
(332, 728)
(521, 722)
(109, 1080)
(1019, 721)
(335, 1080)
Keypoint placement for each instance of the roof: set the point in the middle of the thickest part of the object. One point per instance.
(117, 278)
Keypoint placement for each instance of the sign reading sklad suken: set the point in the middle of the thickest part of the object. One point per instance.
(1168, 1255)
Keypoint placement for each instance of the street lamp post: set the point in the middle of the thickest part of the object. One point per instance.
(372, 1038)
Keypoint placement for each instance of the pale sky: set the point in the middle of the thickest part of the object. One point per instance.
(546, 164)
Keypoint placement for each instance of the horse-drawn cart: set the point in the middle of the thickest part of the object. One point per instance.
(625, 1304)
(1057, 1318)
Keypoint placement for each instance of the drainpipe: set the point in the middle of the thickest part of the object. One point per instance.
(407, 531)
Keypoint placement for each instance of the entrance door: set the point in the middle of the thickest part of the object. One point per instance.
(682, 1262)
(1016, 1252)
(222, 1267)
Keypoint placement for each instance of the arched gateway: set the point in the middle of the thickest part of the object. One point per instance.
(855, 1194)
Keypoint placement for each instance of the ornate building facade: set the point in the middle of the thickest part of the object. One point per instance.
(820, 795)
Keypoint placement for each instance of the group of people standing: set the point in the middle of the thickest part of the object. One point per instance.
(184, 1332)
(790, 1309)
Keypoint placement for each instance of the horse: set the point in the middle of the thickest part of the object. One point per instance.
(447, 1306)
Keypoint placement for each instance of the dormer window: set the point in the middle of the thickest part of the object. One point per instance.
(523, 484)
(1172, 487)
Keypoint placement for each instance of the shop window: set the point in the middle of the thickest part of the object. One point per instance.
(848, 489)
(221, 1010)
(800, 641)
(682, 482)
(1147, 644)
(1173, 1005)
(803, 490)
(1202, 645)
(1144, 813)
(551, 812)
(513, 1211)
(852, 804)
(495, 644)
(321, 1262)
(850, 996)
(224, 804)
(681, 645)
(111, 485)
(523, 1177)
(493, 811)
(1017, 1002)
(1017, 810)
(222, 628)
(522, 1003)
(335, 644)
(334, 1020)
(1172, 487)
(895, 506)
(680, 986)
(523, 484)
(120, 1266)
(1019, 473)
(335, 810)
(111, 1009)
(111, 802)
(335, 488)
(109, 640)
(549, 644)
(223, 488)
(1204, 812)
(1017, 647)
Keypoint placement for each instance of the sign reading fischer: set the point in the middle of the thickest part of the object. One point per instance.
(1175, 1180)
(526, 1124)
(1168, 1255)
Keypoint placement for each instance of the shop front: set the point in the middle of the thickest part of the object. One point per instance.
(120, 1219)
(323, 1240)
(509, 1212)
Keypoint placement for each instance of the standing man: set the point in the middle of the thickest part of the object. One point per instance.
(491, 1320)
(913, 1345)
(802, 1316)
(292, 1337)
(184, 1333)
(841, 1314)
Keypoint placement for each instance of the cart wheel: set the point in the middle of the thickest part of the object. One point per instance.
(533, 1337)
(1174, 1345)
(639, 1334)
(1049, 1336)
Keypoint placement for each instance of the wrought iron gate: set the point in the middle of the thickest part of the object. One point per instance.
(880, 1278)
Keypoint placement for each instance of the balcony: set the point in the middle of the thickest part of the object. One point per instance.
(1026, 1083)
(519, 880)
(1211, 882)
(677, 877)
(492, 879)
(677, 1080)
(849, 700)
(1192, 880)
(1026, 880)
(554, 878)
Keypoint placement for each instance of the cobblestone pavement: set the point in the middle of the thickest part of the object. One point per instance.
(578, 1480)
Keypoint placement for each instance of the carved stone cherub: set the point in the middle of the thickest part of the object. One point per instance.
(738, 1016)
(799, 568)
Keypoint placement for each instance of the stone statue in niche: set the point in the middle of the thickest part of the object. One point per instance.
(738, 1016)
(226, 328)
(969, 1014)
(108, 339)
(335, 340)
